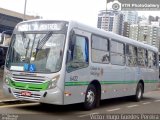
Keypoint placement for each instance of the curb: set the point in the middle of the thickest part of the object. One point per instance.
(8, 101)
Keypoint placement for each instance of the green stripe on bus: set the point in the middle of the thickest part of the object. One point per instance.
(109, 82)
(76, 83)
(117, 82)
(151, 81)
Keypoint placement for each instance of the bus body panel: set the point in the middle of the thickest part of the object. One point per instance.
(76, 81)
(115, 80)
(52, 96)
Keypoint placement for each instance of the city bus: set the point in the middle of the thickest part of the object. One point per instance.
(66, 62)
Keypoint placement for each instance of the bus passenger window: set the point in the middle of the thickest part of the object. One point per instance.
(100, 49)
(78, 53)
(117, 53)
(141, 57)
(152, 59)
(131, 55)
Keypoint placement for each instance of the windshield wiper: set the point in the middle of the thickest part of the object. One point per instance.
(42, 42)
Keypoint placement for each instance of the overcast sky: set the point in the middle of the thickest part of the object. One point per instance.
(85, 11)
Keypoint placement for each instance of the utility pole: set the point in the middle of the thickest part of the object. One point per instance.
(24, 15)
(106, 5)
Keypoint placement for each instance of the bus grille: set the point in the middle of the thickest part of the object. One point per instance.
(33, 97)
(29, 78)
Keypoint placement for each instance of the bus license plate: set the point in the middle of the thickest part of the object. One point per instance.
(25, 93)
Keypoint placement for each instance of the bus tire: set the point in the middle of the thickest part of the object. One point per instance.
(139, 92)
(43, 104)
(90, 98)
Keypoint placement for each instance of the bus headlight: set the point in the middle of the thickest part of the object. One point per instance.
(6, 80)
(53, 82)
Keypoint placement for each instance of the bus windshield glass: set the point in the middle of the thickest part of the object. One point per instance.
(43, 52)
(37, 46)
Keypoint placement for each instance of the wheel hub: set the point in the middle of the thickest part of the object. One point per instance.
(90, 97)
(139, 93)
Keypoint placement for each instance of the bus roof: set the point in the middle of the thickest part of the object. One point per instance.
(112, 35)
(97, 31)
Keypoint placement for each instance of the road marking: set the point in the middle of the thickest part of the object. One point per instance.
(19, 105)
(113, 109)
(146, 103)
(157, 101)
(132, 106)
(87, 114)
(11, 100)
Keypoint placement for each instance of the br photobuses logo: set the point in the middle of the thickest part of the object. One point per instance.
(130, 5)
(115, 5)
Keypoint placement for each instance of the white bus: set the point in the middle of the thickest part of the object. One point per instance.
(66, 62)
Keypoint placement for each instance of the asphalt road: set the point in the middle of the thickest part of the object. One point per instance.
(112, 109)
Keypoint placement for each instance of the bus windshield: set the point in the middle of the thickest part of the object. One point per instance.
(42, 51)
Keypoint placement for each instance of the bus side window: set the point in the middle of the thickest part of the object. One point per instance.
(78, 53)
(155, 59)
(152, 59)
(131, 55)
(146, 58)
(117, 53)
(100, 49)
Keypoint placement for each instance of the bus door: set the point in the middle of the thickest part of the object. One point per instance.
(77, 68)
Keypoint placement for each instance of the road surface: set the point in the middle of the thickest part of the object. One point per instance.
(119, 108)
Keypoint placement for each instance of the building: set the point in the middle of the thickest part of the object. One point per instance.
(9, 19)
(131, 17)
(153, 19)
(133, 31)
(141, 18)
(111, 21)
(126, 29)
(146, 33)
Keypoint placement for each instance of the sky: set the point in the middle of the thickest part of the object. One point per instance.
(85, 11)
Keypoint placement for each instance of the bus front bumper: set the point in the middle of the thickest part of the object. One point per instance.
(54, 96)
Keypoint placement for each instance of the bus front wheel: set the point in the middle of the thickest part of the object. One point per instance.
(90, 98)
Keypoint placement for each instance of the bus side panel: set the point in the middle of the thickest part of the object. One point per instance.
(131, 80)
(114, 82)
(151, 80)
(76, 84)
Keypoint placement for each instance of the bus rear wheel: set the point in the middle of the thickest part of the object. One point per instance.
(139, 92)
(90, 98)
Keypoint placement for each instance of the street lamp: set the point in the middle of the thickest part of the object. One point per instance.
(24, 15)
